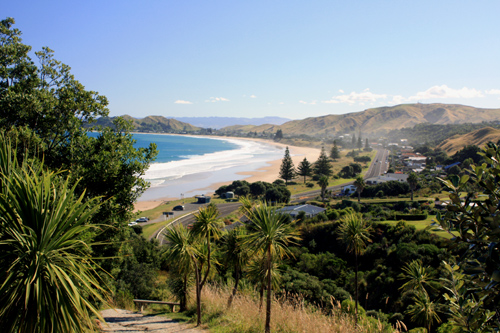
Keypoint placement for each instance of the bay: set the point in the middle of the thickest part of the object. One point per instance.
(187, 166)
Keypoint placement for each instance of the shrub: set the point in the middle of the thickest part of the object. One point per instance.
(310, 184)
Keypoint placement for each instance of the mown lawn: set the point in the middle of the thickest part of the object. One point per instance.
(420, 225)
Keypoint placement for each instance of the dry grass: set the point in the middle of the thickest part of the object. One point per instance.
(288, 316)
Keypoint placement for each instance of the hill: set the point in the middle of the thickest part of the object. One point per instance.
(478, 138)
(155, 124)
(380, 120)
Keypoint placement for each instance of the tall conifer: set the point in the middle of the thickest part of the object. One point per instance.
(287, 170)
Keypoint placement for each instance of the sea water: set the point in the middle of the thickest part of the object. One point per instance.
(188, 166)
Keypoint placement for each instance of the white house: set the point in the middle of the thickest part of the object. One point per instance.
(294, 211)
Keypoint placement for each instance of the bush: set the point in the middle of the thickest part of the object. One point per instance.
(349, 306)
(310, 184)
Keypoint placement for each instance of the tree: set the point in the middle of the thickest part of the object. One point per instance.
(183, 253)
(323, 183)
(208, 227)
(49, 281)
(304, 169)
(367, 145)
(287, 169)
(413, 182)
(360, 186)
(271, 235)
(279, 135)
(353, 141)
(360, 143)
(354, 231)
(235, 256)
(46, 106)
(335, 152)
(474, 224)
(323, 166)
(257, 189)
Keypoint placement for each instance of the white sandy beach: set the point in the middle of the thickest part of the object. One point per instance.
(267, 173)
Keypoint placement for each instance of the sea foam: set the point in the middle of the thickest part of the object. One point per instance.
(175, 178)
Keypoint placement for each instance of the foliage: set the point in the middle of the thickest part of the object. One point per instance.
(354, 232)
(323, 183)
(335, 152)
(270, 234)
(49, 281)
(323, 166)
(477, 225)
(287, 169)
(304, 169)
(360, 186)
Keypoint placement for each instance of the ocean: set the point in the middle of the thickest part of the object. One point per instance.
(187, 166)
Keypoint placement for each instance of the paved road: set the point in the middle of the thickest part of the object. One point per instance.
(187, 219)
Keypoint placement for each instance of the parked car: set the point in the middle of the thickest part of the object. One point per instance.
(179, 207)
(142, 219)
(132, 223)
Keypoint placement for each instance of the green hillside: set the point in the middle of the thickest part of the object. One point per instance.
(153, 124)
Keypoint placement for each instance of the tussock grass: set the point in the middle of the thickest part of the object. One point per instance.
(289, 315)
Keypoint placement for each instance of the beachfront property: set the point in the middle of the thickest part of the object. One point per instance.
(309, 210)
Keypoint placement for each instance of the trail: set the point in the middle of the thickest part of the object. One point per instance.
(128, 321)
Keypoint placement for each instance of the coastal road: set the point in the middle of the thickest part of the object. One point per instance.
(378, 166)
(188, 218)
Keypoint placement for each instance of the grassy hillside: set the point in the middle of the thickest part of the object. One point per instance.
(478, 138)
(380, 120)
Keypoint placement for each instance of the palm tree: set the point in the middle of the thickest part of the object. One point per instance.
(360, 186)
(182, 253)
(424, 311)
(418, 278)
(323, 182)
(270, 234)
(48, 280)
(354, 231)
(207, 226)
(234, 256)
(413, 182)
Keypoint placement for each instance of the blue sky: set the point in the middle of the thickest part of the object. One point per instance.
(293, 59)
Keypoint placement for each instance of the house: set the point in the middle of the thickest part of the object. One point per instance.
(349, 189)
(294, 211)
(399, 177)
(203, 199)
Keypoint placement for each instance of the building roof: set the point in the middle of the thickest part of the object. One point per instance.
(308, 209)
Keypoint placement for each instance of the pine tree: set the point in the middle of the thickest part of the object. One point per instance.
(304, 169)
(323, 166)
(367, 145)
(360, 143)
(335, 152)
(353, 142)
(287, 170)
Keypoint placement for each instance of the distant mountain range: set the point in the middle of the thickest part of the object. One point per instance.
(220, 122)
(377, 120)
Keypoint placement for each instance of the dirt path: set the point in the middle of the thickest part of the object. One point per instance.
(128, 321)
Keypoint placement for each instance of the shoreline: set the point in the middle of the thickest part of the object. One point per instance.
(267, 173)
